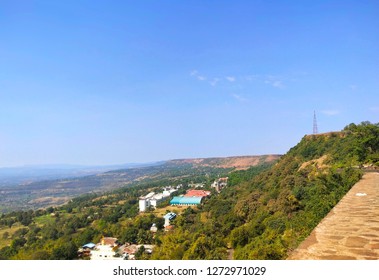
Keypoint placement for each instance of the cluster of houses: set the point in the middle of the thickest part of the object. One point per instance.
(191, 198)
(220, 183)
(167, 223)
(110, 249)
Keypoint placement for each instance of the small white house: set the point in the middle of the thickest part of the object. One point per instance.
(103, 252)
(154, 228)
(107, 249)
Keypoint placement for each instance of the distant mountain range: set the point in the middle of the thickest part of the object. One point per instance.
(236, 162)
(10, 176)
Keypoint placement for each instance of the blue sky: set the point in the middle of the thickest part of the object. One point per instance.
(107, 82)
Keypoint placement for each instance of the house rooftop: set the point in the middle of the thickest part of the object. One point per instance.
(170, 216)
(197, 193)
(111, 241)
(185, 200)
(89, 245)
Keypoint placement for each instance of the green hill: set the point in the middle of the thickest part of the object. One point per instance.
(270, 214)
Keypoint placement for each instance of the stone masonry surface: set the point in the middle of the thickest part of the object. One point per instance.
(351, 229)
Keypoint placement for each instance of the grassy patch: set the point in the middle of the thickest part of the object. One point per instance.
(44, 220)
(11, 231)
(176, 209)
(203, 217)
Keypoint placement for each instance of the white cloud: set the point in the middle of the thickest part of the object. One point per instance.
(331, 112)
(251, 78)
(214, 82)
(195, 73)
(231, 79)
(374, 109)
(353, 87)
(275, 83)
(239, 97)
(278, 84)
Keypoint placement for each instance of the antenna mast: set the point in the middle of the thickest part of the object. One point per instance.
(315, 129)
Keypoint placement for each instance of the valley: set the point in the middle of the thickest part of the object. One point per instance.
(40, 194)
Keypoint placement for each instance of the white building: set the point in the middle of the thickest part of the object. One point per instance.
(107, 249)
(143, 204)
(168, 218)
(103, 252)
(220, 183)
(144, 201)
(154, 228)
(153, 199)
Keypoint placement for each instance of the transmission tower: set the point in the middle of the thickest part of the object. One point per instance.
(315, 129)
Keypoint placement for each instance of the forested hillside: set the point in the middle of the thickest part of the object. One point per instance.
(267, 216)
(264, 213)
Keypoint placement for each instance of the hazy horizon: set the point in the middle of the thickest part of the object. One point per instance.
(75, 166)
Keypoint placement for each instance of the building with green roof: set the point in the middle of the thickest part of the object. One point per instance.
(186, 201)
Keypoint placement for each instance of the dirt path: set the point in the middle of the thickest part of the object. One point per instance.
(230, 254)
(350, 230)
